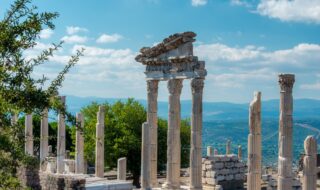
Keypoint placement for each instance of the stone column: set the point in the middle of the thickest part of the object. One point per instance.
(122, 169)
(173, 137)
(28, 134)
(145, 160)
(286, 82)
(152, 119)
(79, 158)
(196, 135)
(215, 152)
(100, 142)
(61, 141)
(309, 180)
(240, 152)
(44, 135)
(209, 151)
(254, 144)
(228, 147)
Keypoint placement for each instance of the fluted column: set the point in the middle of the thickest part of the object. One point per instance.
(173, 139)
(254, 144)
(145, 160)
(44, 135)
(152, 119)
(100, 142)
(196, 135)
(28, 135)
(286, 82)
(61, 141)
(309, 179)
(79, 158)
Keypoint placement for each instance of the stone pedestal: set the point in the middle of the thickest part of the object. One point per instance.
(122, 169)
(196, 135)
(79, 157)
(152, 119)
(145, 158)
(286, 82)
(44, 135)
(173, 139)
(28, 134)
(61, 141)
(309, 180)
(99, 166)
(254, 144)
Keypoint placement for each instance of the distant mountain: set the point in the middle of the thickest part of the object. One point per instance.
(303, 108)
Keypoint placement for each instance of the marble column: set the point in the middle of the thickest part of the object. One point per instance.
(152, 119)
(79, 157)
(209, 150)
(61, 141)
(44, 135)
(173, 137)
(145, 160)
(215, 152)
(100, 142)
(254, 144)
(122, 169)
(309, 179)
(228, 147)
(28, 134)
(196, 135)
(240, 152)
(286, 82)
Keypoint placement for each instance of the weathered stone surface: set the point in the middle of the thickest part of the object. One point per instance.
(309, 180)
(254, 144)
(145, 158)
(51, 181)
(122, 169)
(228, 147)
(29, 177)
(79, 157)
(99, 165)
(28, 134)
(209, 151)
(61, 141)
(239, 152)
(44, 135)
(286, 82)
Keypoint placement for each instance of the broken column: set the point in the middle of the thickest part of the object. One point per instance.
(28, 135)
(254, 144)
(228, 147)
(99, 166)
(215, 152)
(286, 82)
(79, 157)
(44, 135)
(61, 141)
(145, 158)
(309, 180)
(152, 119)
(173, 136)
(196, 134)
(209, 150)
(240, 152)
(122, 169)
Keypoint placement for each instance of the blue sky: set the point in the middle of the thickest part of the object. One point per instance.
(245, 44)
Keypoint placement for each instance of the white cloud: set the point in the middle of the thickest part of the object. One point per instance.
(315, 86)
(197, 3)
(293, 10)
(106, 38)
(46, 33)
(240, 3)
(74, 39)
(75, 29)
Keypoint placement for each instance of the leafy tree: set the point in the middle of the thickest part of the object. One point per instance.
(123, 121)
(19, 90)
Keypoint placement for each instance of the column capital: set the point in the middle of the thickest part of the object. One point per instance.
(197, 85)
(286, 81)
(175, 86)
(152, 86)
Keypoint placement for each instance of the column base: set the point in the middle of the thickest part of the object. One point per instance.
(167, 186)
(195, 188)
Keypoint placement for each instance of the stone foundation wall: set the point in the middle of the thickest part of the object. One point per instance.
(272, 183)
(29, 177)
(51, 181)
(226, 171)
